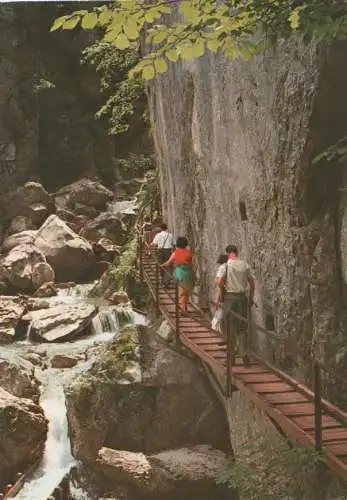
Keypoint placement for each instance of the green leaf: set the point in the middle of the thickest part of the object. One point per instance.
(190, 12)
(58, 23)
(111, 35)
(186, 52)
(159, 36)
(131, 29)
(164, 9)
(213, 45)
(160, 65)
(172, 55)
(148, 73)
(294, 18)
(122, 42)
(105, 17)
(198, 49)
(89, 21)
(71, 23)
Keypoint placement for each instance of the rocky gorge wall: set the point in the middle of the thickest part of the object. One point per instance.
(48, 102)
(235, 142)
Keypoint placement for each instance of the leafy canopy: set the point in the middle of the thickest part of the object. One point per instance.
(184, 29)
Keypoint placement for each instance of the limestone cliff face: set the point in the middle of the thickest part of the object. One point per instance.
(18, 111)
(235, 142)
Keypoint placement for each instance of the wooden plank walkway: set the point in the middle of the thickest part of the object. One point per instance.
(287, 402)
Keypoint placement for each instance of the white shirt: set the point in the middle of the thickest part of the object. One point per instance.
(221, 271)
(236, 275)
(164, 239)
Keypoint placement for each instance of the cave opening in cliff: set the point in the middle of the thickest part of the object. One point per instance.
(243, 211)
(269, 322)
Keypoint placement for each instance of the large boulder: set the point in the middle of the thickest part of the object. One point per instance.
(165, 403)
(42, 274)
(23, 433)
(17, 376)
(84, 192)
(24, 201)
(62, 322)
(19, 224)
(106, 225)
(26, 267)
(106, 250)
(68, 254)
(169, 475)
(22, 238)
(11, 311)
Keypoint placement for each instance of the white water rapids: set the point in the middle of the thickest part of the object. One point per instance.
(57, 459)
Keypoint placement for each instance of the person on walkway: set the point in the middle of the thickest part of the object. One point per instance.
(221, 270)
(164, 242)
(182, 258)
(218, 315)
(235, 280)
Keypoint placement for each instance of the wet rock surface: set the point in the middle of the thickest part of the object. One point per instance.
(26, 267)
(164, 403)
(23, 430)
(11, 311)
(171, 474)
(62, 322)
(17, 376)
(63, 361)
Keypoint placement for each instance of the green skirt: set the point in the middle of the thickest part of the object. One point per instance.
(184, 274)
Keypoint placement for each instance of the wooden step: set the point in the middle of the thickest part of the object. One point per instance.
(263, 388)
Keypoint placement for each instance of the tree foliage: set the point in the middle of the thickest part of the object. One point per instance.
(125, 99)
(184, 29)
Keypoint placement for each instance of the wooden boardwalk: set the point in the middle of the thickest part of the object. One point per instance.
(289, 404)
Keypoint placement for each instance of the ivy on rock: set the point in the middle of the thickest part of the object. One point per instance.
(185, 29)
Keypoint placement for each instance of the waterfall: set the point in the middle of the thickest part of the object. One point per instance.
(57, 459)
(105, 322)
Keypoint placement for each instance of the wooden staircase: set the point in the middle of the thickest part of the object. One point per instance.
(301, 414)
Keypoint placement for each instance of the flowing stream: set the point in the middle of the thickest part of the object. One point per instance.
(57, 459)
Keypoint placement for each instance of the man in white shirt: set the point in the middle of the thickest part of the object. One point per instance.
(235, 280)
(164, 241)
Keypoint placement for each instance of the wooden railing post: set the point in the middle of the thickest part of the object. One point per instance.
(317, 382)
(157, 310)
(177, 312)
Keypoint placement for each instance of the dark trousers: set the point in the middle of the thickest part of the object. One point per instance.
(164, 255)
(235, 330)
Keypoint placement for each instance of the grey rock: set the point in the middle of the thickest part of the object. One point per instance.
(68, 254)
(19, 224)
(17, 376)
(60, 322)
(165, 404)
(20, 202)
(23, 433)
(84, 192)
(171, 474)
(23, 238)
(166, 332)
(11, 311)
(106, 225)
(63, 361)
(26, 266)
